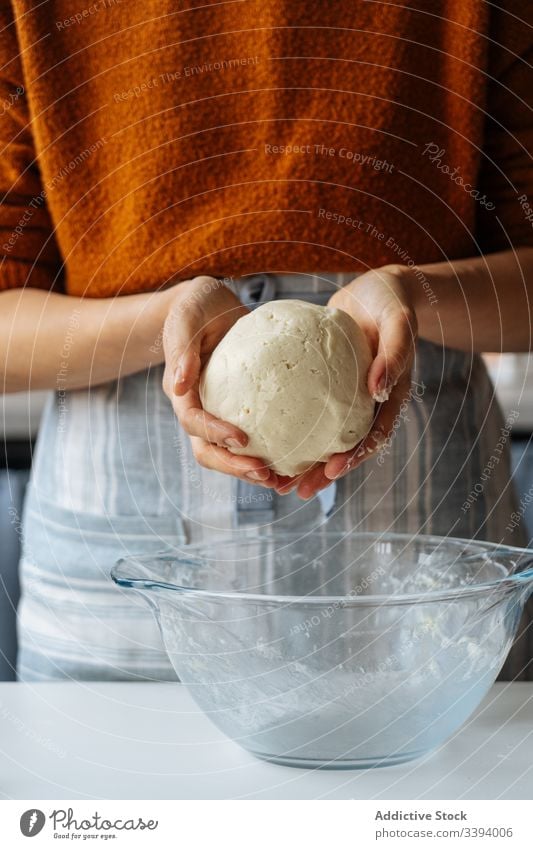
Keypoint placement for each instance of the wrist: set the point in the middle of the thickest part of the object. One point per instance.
(137, 327)
(418, 285)
(412, 284)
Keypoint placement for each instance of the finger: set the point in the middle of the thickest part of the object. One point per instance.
(339, 464)
(324, 485)
(197, 422)
(286, 484)
(395, 410)
(397, 334)
(182, 340)
(312, 482)
(187, 371)
(386, 422)
(218, 459)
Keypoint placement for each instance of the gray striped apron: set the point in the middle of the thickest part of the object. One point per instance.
(114, 474)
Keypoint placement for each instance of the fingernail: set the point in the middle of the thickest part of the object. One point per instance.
(178, 376)
(382, 392)
(258, 477)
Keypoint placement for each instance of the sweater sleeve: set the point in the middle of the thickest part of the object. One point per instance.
(29, 255)
(506, 176)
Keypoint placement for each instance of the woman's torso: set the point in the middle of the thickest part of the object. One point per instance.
(232, 138)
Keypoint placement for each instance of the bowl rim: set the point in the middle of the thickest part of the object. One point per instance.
(519, 579)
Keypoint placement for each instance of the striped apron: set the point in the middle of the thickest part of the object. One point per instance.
(114, 474)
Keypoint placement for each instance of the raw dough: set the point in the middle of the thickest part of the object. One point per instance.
(292, 376)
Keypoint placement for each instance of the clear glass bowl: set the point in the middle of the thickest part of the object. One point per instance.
(336, 650)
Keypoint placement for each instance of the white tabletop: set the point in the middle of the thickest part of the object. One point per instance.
(83, 740)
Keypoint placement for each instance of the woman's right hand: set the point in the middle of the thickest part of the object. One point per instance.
(201, 313)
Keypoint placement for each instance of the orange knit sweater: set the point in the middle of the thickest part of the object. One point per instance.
(150, 140)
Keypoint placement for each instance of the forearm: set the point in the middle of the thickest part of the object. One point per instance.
(478, 304)
(53, 341)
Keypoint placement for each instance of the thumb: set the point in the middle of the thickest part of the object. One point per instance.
(182, 342)
(188, 368)
(396, 340)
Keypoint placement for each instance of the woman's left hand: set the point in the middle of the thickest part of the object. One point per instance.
(380, 303)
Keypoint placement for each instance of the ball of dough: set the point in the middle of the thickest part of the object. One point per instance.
(292, 376)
